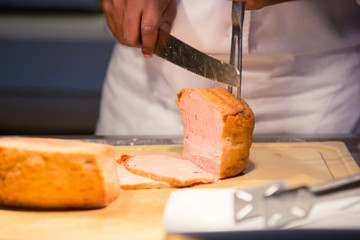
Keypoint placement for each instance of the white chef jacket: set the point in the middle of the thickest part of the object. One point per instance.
(301, 69)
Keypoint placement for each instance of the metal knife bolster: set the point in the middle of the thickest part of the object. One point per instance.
(174, 50)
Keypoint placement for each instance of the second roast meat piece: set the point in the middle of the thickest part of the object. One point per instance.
(218, 130)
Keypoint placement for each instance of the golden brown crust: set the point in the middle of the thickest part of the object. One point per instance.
(237, 140)
(141, 186)
(220, 98)
(57, 180)
(123, 158)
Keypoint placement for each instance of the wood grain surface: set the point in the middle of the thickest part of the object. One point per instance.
(137, 214)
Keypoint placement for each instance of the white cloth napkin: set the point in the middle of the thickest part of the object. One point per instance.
(212, 210)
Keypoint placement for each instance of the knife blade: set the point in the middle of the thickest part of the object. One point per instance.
(183, 55)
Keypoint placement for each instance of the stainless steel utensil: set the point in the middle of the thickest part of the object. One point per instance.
(238, 11)
(174, 50)
(280, 205)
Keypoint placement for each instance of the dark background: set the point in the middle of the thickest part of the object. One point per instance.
(53, 60)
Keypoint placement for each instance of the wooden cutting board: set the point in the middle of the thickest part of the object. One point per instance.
(137, 214)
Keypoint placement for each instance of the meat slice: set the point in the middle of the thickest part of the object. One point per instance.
(176, 172)
(130, 181)
(56, 174)
(218, 130)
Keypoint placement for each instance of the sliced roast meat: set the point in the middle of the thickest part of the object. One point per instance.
(175, 171)
(130, 181)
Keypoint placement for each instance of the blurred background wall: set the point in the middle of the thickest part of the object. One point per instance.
(53, 59)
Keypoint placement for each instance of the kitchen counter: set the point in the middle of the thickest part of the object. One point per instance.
(138, 214)
(352, 141)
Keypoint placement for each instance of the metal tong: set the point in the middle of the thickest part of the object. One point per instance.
(238, 9)
(280, 205)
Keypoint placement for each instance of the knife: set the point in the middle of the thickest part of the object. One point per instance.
(183, 55)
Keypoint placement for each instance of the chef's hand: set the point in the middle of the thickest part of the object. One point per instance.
(258, 4)
(135, 23)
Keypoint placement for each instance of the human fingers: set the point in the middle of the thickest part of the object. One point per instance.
(107, 6)
(155, 13)
(136, 22)
(168, 16)
(130, 28)
(150, 22)
(123, 19)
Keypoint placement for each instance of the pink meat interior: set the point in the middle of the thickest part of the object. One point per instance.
(203, 127)
(169, 167)
(127, 178)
